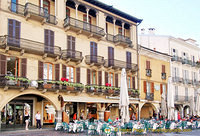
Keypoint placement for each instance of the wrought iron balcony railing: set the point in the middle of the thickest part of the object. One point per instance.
(120, 64)
(195, 83)
(177, 79)
(149, 96)
(186, 61)
(72, 55)
(148, 72)
(182, 99)
(125, 41)
(176, 58)
(163, 76)
(52, 85)
(16, 8)
(187, 81)
(31, 9)
(13, 82)
(29, 46)
(94, 60)
(69, 21)
(133, 93)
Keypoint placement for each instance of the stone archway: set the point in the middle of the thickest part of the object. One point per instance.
(186, 111)
(147, 109)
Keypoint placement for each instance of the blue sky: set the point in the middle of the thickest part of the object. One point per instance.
(178, 18)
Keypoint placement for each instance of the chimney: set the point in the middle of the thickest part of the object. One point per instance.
(142, 31)
(151, 30)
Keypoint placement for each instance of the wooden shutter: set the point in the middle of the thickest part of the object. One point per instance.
(106, 77)
(95, 49)
(10, 27)
(23, 67)
(57, 72)
(88, 76)
(161, 89)
(128, 57)
(51, 41)
(46, 40)
(63, 71)
(152, 87)
(147, 65)
(69, 42)
(40, 70)
(91, 48)
(133, 82)
(73, 43)
(145, 87)
(17, 29)
(100, 77)
(163, 68)
(78, 74)
(116, 80)
(3, 64)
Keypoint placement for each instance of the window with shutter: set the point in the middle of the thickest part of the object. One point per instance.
(152, 87)
(23, 67)
(14, 27)
(163, 68)
(128, 59)
(88, 76)
(67, 12)
(116, 80)
(147, 64)
(106, 77)
(48, 71)
(12, 64)
(40, 70)
(3, 63)
(49, 41)
(161, 89)
(14, 6)
(145, 86)
(120, 30)
(93, 52)
(70, 73)
(78, 74)
(133, 82)
(100, 77)
(63, 71)
(57, 72)
(110, 56)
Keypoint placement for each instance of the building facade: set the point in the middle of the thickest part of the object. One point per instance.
(154, 72)
(184, 67)
(65, 57)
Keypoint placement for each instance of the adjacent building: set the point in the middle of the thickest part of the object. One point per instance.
(62, 57)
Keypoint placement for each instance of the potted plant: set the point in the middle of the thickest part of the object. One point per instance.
(109, 88)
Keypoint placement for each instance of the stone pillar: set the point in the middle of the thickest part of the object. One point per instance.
(87, 11)
(114, 26)
(41, 3)
(101, 115)
(97, 18)
(123, 28)
(59, 116)
(76, 6)
(55, 4)
(105, 23)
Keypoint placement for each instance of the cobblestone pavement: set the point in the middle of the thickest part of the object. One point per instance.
(51, 132)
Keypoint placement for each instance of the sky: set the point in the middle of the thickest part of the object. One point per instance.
(177, 18)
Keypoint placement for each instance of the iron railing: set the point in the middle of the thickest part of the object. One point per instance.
(121, 38)
(13, 83)
(179, 98)
(149, 96)
(186, 61)
(69, 21)
(163, 76)
(39, 11)
(73, 55)
(120, 64)
(176, 58)
(148, 72)
(187, 81)
(177, 79)
(16, 8)
(195, 83)
(29, 45)
(96, 60)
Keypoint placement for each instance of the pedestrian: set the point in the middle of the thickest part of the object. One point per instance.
(26, 118)
(38, 120)
(133, 116)
(74, 117)
(82, 115)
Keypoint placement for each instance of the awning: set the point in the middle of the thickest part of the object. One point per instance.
(83, 97)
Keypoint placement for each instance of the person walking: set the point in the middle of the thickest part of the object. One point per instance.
(26, 118)
(38, 120)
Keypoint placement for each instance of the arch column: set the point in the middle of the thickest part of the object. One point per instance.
(76, 7)
(87, 11)
(123, 28)
(97, 18)
(114, 20)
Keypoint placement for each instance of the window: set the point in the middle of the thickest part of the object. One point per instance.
(120, 31)
(49, 41)
(67, 12)
(93, 77)
(93, 52)
(70, 74)
(128, 59)
(48, 71)
(163, 68)
(111, 79)
(106, 27)
(186, 94)
(46, 6)
(14, 28)
(71, 43)
(13, 66)
(14, 5)
(129, 81)
(147, 64)
(110, 56)
(148, 87)
(85, 19)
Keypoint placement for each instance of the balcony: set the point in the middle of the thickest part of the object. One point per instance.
(29, 46)
(198, 64)
(186, 61)
(118, 64)
(133, 93)
(94, 60)
(149, 96)
(83, 27)
(177, 80)
(106, 90)
(56, 86)
(37, 13)
(195, 83)
(163, 76)
(148, 72)
(176, 58)
(16, 8)
(178, 99)
(119, 40)
(15, 82)
(70, 55)
(187, 81)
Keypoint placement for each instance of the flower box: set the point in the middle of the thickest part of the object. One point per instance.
(47, 86)
(110, 91)
(70, 88)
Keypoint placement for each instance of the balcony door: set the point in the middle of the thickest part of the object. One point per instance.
(71, 41)
(14, 5)
(46, 6)
(110, 56)
(128, 60)
(93, 52)
(49, 41)
(14, 28)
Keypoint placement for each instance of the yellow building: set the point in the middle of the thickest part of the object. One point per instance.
(154, 72)
(64, 57)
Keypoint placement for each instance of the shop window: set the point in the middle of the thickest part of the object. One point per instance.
(13, 66)
(49, 113)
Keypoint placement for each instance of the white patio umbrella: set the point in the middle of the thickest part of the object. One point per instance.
(170, 99)
(163, 104)
(124, 99)
(197, 103)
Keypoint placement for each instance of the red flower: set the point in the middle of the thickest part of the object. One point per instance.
(66, 80)
(107, 84)
(63, 79)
